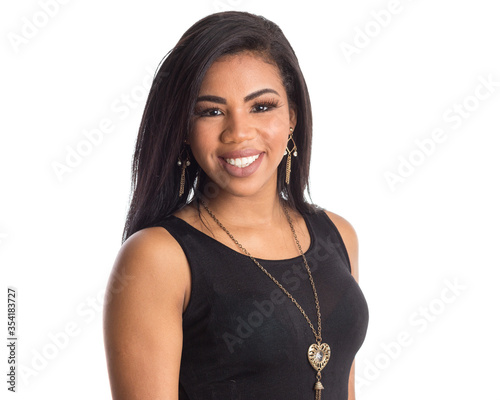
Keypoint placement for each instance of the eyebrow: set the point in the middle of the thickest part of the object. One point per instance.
(251, 96)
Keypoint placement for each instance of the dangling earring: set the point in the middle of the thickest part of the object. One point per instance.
(289, 158)
(185, 163)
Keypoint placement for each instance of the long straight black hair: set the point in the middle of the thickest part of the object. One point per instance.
(170, 105)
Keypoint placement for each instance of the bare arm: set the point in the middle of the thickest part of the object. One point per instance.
(145, 298)
(351, 242)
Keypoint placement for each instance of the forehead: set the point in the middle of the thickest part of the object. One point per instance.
(242, 70)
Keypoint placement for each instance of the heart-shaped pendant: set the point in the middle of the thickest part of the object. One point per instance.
(318, 355)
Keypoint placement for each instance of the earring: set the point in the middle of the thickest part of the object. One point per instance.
(185, 163)
(289, 158)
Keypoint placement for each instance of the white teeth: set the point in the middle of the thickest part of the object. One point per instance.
(242, 162)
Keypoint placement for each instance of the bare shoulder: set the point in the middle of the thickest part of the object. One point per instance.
(350, 239)
(149, 257)
(143, 316)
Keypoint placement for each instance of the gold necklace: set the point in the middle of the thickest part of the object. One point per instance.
(318, 353)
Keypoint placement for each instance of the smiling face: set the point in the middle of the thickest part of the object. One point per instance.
(241, 124)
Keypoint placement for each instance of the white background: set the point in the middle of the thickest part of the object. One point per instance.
(435, 227)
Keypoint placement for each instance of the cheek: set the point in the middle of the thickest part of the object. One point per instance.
(204, 132)
(202, 145)
(277, 131)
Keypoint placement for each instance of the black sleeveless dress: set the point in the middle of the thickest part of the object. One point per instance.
(245, 339)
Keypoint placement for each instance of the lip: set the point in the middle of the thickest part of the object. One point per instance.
(241, 153)
(241, 172)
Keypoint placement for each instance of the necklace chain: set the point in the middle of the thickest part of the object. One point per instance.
(316, 334)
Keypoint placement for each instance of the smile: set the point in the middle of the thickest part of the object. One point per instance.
(242, 162)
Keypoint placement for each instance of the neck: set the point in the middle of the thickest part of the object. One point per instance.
(245, 211)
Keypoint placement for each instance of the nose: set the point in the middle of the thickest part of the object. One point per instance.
(238, 129)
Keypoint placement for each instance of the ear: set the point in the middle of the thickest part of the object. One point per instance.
(292, 110)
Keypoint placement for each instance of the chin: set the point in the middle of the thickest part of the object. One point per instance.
(237, 187)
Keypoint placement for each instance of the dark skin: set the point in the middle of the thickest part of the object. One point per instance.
(143, 320)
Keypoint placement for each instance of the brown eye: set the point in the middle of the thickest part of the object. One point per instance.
(261, 107)
(209, 112)
(214, 112)
(264, 106)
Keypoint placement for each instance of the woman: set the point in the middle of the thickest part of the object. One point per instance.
(235, 286)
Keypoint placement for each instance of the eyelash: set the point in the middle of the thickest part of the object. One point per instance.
(269, 104)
